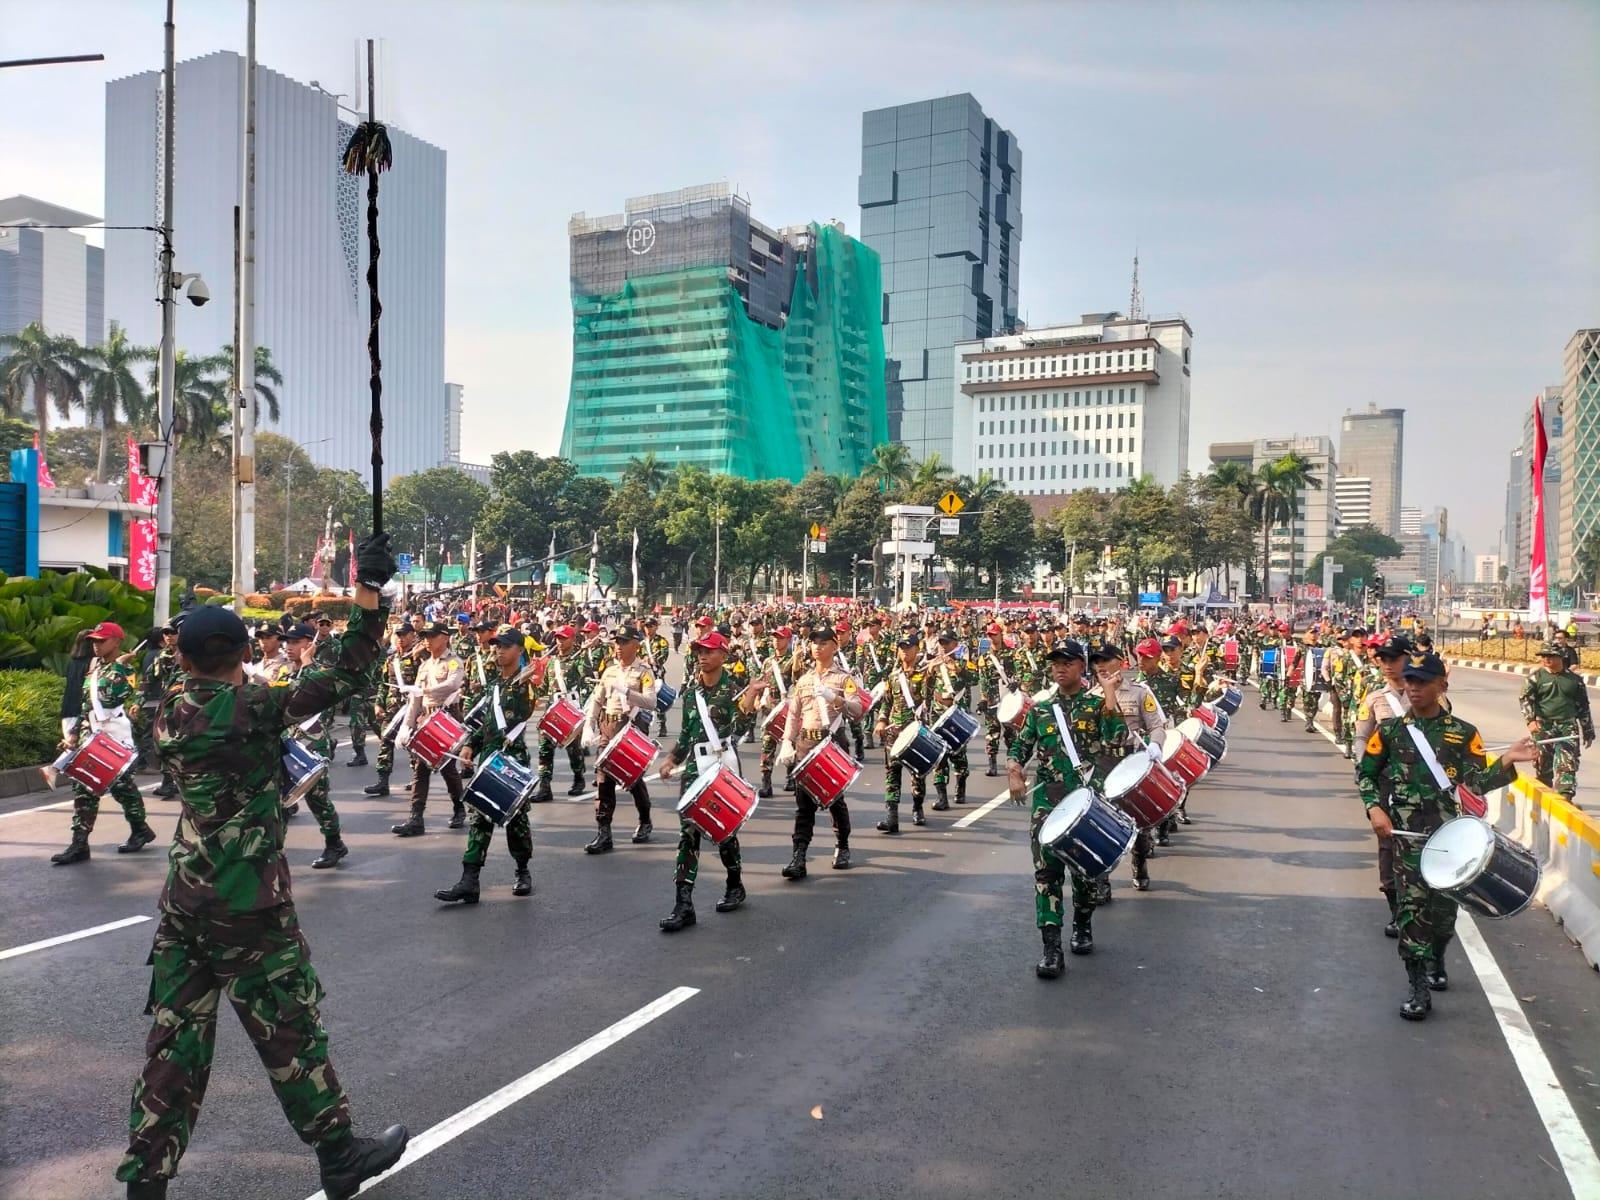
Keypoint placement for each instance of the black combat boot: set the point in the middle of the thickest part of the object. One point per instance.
(1438, 981)
(522, 885)
(1285, 714)
(411, 826)
(289, 810)
(994, 765)
(166, 791)
(797, 864)
(891, 820)
(77, 851)
(1082, 931)
(943, 802)
(542, 794)
(602, 842)
(733, 897)
(381, 788)
(765, 790)
(1419, 1003)
(359, 759)
(1392, 929)
(916, 813)
(682, 915)
(1163, 838)
(642, 832)
(861, 751)
(788, 781)
(1053, 962)
(961, 789)
(147, 1189)
(332, 852)
(458, 814)
(1102, 890)
(464, 889)
(1141, 877)
(346, 1164)
(138, 839)
(577, 788)
(841, 858)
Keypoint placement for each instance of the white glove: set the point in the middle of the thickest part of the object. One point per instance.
(68, 724)
(591, 737)
(827, 693)
(786, 753)
(1154, 749)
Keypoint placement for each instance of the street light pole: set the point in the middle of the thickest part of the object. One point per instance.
(244, 400)
(168, 354)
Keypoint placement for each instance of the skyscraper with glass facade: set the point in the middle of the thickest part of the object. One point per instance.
(1372, 446)
(939, 191)
(1579, 511)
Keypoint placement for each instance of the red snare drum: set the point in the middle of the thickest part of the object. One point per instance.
(562, 721)
(1230, 653)
(776, 721)
(1013, 708)
(99, 762)
(1183, 758)
(536, 669)
(1144, 789)
(827, 772)
(1204, 713)
(438, 737)
(879, 690)
(718, 803)
(627, 756)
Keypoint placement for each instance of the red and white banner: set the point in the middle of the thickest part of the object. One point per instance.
(44, 480)
(350, 544)
(142, 490)
(1538, 572)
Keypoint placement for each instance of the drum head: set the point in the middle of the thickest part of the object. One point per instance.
(1457, 852)
(1067, 813)
(1191, 727)
(1127, 775)
(1171, 743)
(692, 793)
(1044, 695)
(1010, 708)
(903, 742)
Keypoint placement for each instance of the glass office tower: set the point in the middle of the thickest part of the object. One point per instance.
(939, 193)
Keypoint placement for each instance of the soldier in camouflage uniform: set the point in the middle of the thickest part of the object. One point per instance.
(316, 734)
(900, 707)
(731, 706)
(510, 706)
(1393, 766)
(655, 648)
(1555, 703)
(1163, 685)
(946, 686)
(403, 659)
(568, 672)
(161, 674)
(785, 659)
(108, 690)
(228, 921)
(1094, 728)
(995, 678)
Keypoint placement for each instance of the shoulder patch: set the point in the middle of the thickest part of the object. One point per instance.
(1149, 704)
(1375, 743)
(1475, 746)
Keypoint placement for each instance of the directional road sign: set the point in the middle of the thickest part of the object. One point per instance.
(950, 504)
(949, 526)
(1419, 589)
(403, 564)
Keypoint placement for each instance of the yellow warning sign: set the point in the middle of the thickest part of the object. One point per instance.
(950, 504)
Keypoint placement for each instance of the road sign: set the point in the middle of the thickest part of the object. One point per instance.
(816, 530)
(1418, 589)
(403, 564)
(1355, 584)
(1149, 597)
(950, 504)
(818, 546)
(949, 526)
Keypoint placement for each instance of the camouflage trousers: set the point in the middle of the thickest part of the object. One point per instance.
(320, 802)
(262, 963)
(385, 743)
(1049, 872)
(547, 757)
(363, 720)
(895, 772)
(687, 864)
(1557, 764)
(1310, 700)
(480, 829)
(1426, 917)
(86, 805)
(957, 759)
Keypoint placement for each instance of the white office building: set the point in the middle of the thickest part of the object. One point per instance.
(50, 277)
(311, 252)
(1352, 496)
(1410, 520)
(1060, 408)
(1486, 568)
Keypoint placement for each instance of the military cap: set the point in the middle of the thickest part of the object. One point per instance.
(1395, 647)
(1552, 650)
(298, 632)
(1171, 643)
(211, 623)
(1148, 648)
(824, 633)
(268, 631)
(627, 634)
(1104, 652)
(949, 635)
(1070, 650)
(435, 630)
(507, 637)
(908, 641)
(1424, 665)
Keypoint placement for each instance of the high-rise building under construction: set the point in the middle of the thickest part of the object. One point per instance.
(705, 337)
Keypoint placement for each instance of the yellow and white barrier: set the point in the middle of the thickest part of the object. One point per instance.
(1567, 844)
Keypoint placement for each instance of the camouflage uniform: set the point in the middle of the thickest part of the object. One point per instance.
(1560, 703)
(228, 921)
(655, 649)
(318, 738)
(1271, 678)
(391, 699)
(897, 715)
(1094, 730)
(113, 683)
(574, 675)
(992, 665)
(721, 700)
(792, 667)
(946, 686)
(516, 707)
(1392, 768)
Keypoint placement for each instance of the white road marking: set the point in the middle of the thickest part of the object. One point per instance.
(983, 811)
(447, 1130)
(1572, 1145)
(18, 951)
(1567, 1136)
(22, 812)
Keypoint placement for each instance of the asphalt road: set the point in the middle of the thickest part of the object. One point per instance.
(867, 1033)
(1489, 700)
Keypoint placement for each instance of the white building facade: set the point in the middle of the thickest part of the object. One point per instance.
(1061, 408)
(311, 252)
(51, 277)
(1352, 496)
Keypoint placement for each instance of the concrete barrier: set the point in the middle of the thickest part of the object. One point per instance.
(1567, 844)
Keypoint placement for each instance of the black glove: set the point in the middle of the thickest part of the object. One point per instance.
(375, 562)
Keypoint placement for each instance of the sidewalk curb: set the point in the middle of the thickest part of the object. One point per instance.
(1479, 664)
(21, 781)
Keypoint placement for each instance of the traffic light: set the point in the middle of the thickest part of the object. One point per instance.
(1377, 587)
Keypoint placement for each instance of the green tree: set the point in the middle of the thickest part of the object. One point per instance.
(268, 380)
(1006, 532)
(891, 468)
(40, 368)
(1368, 540)
(448, 501)
(199, 398)
(111, 391)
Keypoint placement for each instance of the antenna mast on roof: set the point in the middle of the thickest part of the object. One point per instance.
(1135, 297)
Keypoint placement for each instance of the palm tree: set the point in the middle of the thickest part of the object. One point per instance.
(369, 153)
(1231, 484)
(268, 378)
(1296, 474)
(199, 397)
(646, 471)
(112, 393)
(891, 467)
(932, 472)
(41, 366)
(1275, 500)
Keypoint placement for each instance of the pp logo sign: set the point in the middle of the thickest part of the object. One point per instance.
(641, 236)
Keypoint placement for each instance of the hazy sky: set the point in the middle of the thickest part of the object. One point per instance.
(1351, 203)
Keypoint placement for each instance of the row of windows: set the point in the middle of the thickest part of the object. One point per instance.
(1057, 424)
(1082, 398)
(1015, 449)
(1018, 474)
(1070, 364)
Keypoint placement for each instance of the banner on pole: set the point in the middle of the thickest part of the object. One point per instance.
(142, 490)
(1538, 572)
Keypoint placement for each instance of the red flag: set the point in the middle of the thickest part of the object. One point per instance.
(1538, 577)
(44, 479)
(351, 544)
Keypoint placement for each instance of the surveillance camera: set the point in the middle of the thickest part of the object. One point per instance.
(198, 292)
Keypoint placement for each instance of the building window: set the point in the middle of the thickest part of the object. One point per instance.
(1131, 417)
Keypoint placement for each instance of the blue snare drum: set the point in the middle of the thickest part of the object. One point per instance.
(956, 726)
(1269, 661)
(666, 697)
(1230, 700)
(303, 766)
(1087, 833)
(1204, 736)
(500, 787)
(918, 748)
(1221, 723)
(1473, 862)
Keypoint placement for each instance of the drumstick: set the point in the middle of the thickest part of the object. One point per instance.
(1568, 737)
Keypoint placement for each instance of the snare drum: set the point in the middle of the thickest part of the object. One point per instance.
(776, 720)
(304, 767)
(562, 721)
(1472, 804)
(1269, 661)
(1471, 861)
(438, 738)
(826, 772)
(500, 788)
(879, 690)
(1087, 834)
(1230, 700)
(718, 803)
(1207, 738)
(1206, 714)
(1219, 719)
(1230, 653)
(1144, 789)
(666, 696)
(1013, 709)
(918, 748)
(1183, 758)
(627, 756)
(98, 762)
(956, 726)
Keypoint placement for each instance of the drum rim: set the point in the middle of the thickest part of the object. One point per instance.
(1023, 701)
(1061, 806)
(701, 783)
(1491, 844)
(817, 749)
(915, 728)
(1135, 758)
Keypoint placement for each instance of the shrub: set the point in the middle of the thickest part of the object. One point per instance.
(205, 593)
(259, 600)
(40, 619)
(30, 725)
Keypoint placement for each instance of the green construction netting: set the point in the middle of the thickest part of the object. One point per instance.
(673, 364)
